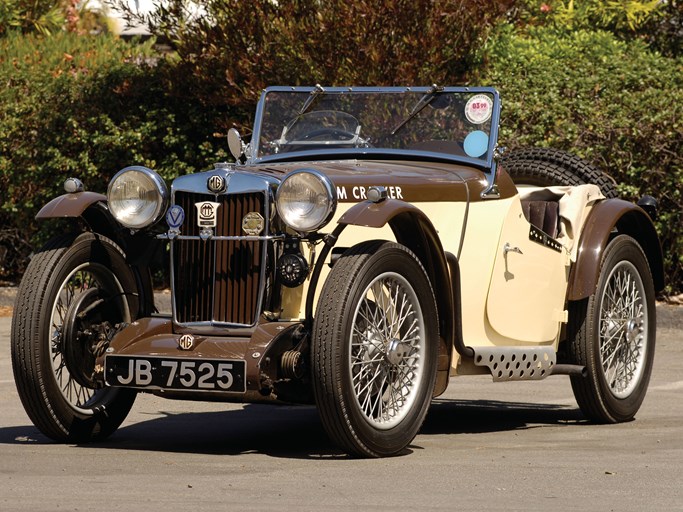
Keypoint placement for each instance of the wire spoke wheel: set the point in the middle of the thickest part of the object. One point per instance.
(623, 328)
(75, 291)
(387, 350)
(67, 307)
(612, 334)
(374, 349)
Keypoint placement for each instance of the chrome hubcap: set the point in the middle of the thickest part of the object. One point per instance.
(396, 351)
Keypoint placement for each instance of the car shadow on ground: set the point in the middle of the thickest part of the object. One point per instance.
(296, 431)
(483, 416)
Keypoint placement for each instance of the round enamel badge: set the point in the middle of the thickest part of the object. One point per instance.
(186, 342)
(478, 109)
(216, 183)
(175, 216)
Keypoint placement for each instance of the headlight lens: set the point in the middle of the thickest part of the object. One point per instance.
(306, 200)
(137, 197)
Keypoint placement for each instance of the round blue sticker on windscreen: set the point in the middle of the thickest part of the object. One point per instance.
(476, 144)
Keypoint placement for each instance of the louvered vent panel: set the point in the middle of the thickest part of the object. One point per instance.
(218, 280)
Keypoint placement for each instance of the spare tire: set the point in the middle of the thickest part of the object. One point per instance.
(545, 167)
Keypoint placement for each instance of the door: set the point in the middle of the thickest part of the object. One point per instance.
(529, 282)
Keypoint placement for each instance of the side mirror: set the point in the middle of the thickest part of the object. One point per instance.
(236, 145)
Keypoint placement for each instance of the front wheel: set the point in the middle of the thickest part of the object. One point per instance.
(612, 333)
(75, 291)
(374, 349)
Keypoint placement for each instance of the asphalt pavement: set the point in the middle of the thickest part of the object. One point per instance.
(484, 446)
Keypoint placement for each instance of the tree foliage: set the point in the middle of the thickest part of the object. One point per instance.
(47, 17)
(26, 16)
(229, 50)
(659, 23)
(616, 16)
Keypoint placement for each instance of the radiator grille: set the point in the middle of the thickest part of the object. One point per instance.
(218, 280)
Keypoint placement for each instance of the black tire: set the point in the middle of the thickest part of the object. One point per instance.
(373, 384)
(612, 334)
(74, 284)
(544, 167)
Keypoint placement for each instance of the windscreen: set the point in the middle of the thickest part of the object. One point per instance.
(455, 123)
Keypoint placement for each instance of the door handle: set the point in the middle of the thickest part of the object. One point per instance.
(508, 248)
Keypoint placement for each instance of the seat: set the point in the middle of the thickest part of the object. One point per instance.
(544, 215)
(559, 211)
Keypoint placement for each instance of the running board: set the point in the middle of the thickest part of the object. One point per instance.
(516, 363)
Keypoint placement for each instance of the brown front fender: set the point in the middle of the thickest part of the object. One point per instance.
(92, 209)
(376, 215)
(69, 205)
(604, 219)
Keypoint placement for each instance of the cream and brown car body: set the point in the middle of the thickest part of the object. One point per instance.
(502, 285)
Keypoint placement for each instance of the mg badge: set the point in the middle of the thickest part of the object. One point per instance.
(206, 214)
(216, 183)
(175, 216)
(186, 342)
(252, 223)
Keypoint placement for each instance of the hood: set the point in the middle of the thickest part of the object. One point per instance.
(410, 181)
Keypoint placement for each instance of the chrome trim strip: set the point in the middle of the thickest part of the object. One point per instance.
(166, 236)
(378, 154)
(215, 329)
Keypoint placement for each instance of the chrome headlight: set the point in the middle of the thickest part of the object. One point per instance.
(137, 197)
(306, 200)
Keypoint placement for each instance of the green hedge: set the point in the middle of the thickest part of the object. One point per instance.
(82, 106)
(618, 104)
(85, 107)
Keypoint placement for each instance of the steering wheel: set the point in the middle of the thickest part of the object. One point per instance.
(332, 134)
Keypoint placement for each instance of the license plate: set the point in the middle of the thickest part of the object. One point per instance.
(175, 373)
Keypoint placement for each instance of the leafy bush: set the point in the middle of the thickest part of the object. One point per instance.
(229, 50)
(85, 107)
(616, 103)
(619, 17)
(52, 16)
(658, 23)
(42, 16)
(88, 106)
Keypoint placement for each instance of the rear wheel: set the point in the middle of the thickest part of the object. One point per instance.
(75, 291)
(374, 349)
(612, 333)
(545, 167)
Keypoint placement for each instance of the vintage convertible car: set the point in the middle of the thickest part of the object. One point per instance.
(367, 245)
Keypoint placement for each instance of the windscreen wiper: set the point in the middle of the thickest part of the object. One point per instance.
(315, 94)
(434, 90)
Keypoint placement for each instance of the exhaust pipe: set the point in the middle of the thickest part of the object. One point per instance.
(569, 369)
